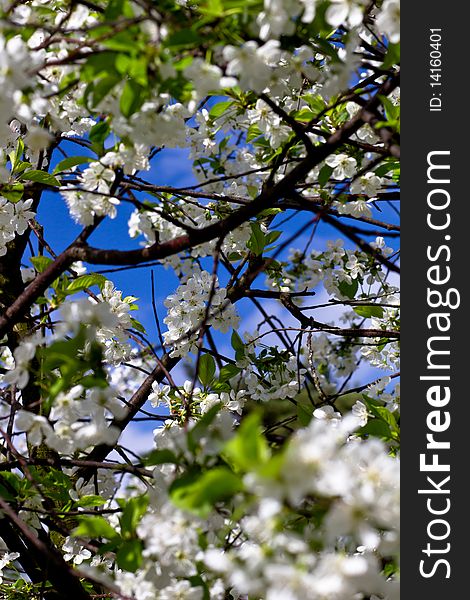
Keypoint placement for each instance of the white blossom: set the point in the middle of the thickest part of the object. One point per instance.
(388, 21)
(343, 165)
(252, 63)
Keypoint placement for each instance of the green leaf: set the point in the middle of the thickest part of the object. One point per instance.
(134, 509)
(376, 428)
(84, 282)
(22, 166)
(349, 289)
(160, 457)
(183, 63)
(123, 42)
(129, 555)
(248, 450)
(87, 501)
(237, 342)
(269, 212)
(305, 115)
(392, 112)
(316, 103)
(206, 370)
(389, 418)
(382, 413)
(257, 241)
(122, 63)
(387, 167)
(40, 263)
(369, 311)
(253, 132)
(304, 411)
(99, 132)
(271, 237)
(137, 325)
(392, 57)
(213, 8)
(77, 359)
(5, 494)
(40, 177)
(118, 8)
(262, 142)
(98, 66)
(220, 108)
(90, 381)
(9, 486)
(198, 493)
(71, 161)
(271, 469)
(324, 176)
(227, 372)
(12, 481)
(13, 192)
(15, 156)
(132, 98)
(94, 527)
(183, 38)
(138, 70)
(101, 88)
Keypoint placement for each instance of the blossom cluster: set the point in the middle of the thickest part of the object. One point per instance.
(338, 266)
(353, 483)
(197, 303)
(14, 219)
(94, 199)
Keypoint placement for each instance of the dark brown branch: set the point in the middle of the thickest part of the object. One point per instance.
(64, 579)
(71, 462)
(306, 203)
(348, 332)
